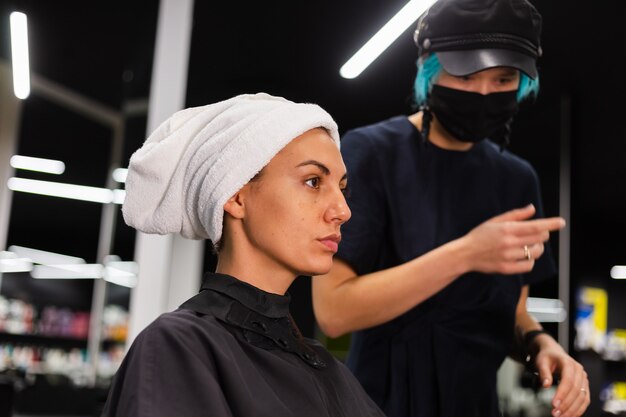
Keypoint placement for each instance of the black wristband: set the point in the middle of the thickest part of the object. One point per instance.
(526, 351)
(529, 336)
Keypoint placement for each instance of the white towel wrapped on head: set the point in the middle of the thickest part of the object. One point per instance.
(180, 179)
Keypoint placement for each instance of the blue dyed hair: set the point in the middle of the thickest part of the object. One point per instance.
(429, 69)
(527, 87)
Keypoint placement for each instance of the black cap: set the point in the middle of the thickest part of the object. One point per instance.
(472, 35)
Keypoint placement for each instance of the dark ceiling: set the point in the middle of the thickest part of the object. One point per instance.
(103, 50)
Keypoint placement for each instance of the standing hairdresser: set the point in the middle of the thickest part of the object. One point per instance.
(446, 233)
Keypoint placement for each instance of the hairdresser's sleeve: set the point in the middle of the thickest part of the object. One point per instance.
(362, 235)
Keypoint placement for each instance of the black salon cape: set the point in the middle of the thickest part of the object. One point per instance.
(408, 197)
(232, 350)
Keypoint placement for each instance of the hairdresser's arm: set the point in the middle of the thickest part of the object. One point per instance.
(344, 302)
(571, 398)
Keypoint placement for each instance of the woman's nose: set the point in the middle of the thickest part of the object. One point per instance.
(338, 210)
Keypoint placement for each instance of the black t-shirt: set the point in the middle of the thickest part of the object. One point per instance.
(408, 197)
(232, 350)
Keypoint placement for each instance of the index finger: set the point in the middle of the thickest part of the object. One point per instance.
(528, 227)
(566, 385)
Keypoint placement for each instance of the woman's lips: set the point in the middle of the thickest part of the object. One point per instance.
(331, 242)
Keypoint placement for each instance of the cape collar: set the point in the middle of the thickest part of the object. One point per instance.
(262, 302)
(261, 317)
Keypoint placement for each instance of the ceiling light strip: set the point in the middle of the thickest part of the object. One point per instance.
(44, 257)
(383, 38)
(69, 271)
(71, 191)
(618, 272)
(120, 174)
(10, 262)
(29, 163)
(19, 55)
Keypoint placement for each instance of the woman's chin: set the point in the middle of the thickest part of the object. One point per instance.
(317, 268)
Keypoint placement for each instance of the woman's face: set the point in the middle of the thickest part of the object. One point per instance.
(492, 80)
(294, 210)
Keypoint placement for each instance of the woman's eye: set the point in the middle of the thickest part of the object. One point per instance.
(313, 182)
(345, 191)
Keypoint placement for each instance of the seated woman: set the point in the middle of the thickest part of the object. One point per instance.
(262, 178)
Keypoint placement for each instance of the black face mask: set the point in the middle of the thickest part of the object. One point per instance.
(472, 117)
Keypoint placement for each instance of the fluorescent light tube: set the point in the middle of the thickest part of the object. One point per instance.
(124, 266)
(9, 262)
(121, 277)
(19, 55)
(384, 37)
(119, 196)
(57, 189)
(618, 272)
(69, 271)
(49, 166)
(16, 265)
(128, 280)
(44, 257)
(119, 174)
(87, 271)
(119, 272)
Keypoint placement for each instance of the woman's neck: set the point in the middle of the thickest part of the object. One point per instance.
(438, 136)
(259, 273)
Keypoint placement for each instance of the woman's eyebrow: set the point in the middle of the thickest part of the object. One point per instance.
(321, 166)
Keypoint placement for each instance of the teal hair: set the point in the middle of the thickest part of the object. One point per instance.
(527, 87)
(428, 70)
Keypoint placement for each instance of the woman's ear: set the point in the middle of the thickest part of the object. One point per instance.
(235, 205)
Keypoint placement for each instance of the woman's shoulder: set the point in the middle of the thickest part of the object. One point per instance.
(183, 327)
